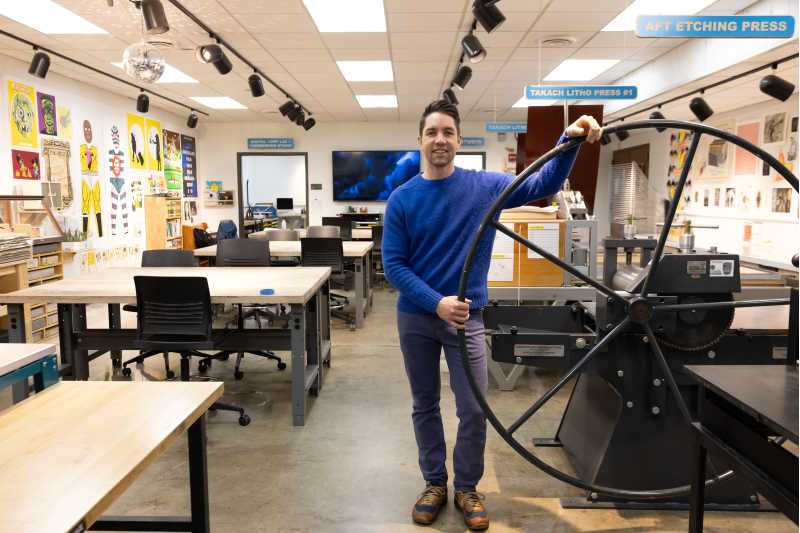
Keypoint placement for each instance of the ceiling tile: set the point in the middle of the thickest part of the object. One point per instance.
(566, 21)
(355, 40)
(533, 38)
(617, 39)
(361, 54)
(500, 39)
(419, 71)
(602, 53)
(277, 23)
(290, 40)
(418, 40)
(324, 67)
(425, 54)
(425, 6)
(516, 21)
(301, 54)
(419, 22)
(272, 6)
(615, 6)
(373, 87)
(547, 54)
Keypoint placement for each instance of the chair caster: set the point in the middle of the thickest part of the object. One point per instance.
(126, 372)
(313, 392)
(170, 374)
(202, 366)
(281, 366)
(238, 374)
(244, 420)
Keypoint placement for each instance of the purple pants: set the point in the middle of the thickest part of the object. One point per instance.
(422, 338)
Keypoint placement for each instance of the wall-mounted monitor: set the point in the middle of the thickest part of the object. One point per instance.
(284, 203)
(373, 175)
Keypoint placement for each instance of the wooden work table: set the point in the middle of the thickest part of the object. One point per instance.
(292, 249)
(358, 233)
(73, 449)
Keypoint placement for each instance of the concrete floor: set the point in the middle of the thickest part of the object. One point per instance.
(353, 467)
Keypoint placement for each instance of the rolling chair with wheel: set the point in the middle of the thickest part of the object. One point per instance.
(174, 315)
(280, 235)
(326, 251)
(345, 226)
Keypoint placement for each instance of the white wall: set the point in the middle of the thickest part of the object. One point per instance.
(221, 142)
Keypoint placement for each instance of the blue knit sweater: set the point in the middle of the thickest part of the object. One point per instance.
(429, 225)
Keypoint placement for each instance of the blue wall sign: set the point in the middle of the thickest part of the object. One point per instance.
(519, 127)
(266, 143)
(473, 141)
(581, 92)
(744, 26)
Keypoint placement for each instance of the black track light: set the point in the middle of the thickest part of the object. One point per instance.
(143, 103)
(309, 123)
(776, 87)
(300, 119)
(286, 107)
(213, 53)
(487, 13)
(40, 64)
(473, 48)
(192, 120)
(657, 115)
(293, 112)
(605, 139)
(450, 96)
(462, 78)
(155, 20)
(622, 135)
(700, 108)
(256, 85)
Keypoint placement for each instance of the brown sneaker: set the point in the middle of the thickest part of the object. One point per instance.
(430, 502)
(471, 504)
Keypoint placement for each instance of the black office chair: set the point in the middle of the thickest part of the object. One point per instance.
(158, 258)
(377, 255)
(244, 253)
(175, 316)
(329, 252)
(345, 226)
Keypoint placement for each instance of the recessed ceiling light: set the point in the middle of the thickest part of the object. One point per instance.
(366, 70)
(46, 16)
(347, 15)
(377, 100)
(171, 75)
(580, 69)
(626, 21)
(218, 102)
(524, 102)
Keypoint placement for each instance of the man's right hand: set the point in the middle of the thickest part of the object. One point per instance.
(453, 311)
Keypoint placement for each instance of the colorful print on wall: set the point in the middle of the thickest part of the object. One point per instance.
(25, 165)
(781, 199)
(119, 194)
(46, 108)
(91, 198)
(154, 157)
(136, 194)
(746, 163)
(189, 166)
(57, 180)
(774, 127)
(64, 122)
(173, 170)
(22, 115)
(137, 147)
(678, 148)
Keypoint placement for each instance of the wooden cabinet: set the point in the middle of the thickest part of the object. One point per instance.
(514, 265)
(162, 222)
(45, 266)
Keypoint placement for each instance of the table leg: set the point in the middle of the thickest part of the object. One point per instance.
(66, 338)
(313, 347)
(368, 280)
(297, 324)
(697, 497)
(360, 300)
(198, 476)
(80, 357)
(17, 333)
(115, 322)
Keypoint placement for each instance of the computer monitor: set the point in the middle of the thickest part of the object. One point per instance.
(284, 203)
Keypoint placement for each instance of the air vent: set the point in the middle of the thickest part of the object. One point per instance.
(559, 41)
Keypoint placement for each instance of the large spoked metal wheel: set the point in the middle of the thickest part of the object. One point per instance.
(639, 309)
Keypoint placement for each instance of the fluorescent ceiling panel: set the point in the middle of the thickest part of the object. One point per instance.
(580, 69)
(626, 21)
(377, 100)
(218, 102)
(347, 15)
(524, 102)
(170, 75)
(46, 16)
(366, 70)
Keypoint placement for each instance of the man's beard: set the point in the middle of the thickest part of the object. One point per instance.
(440, 161)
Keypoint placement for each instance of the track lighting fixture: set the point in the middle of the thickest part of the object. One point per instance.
(473, 48)
(309, 123)
(462, 77)
(657, 115)
(622, 135)
(301, 118)
(192, 120)
(286, 107)
(700, 108)
(487, 14)
(256, 85)
(40, 64)
(293, 112)
(155, 20)
(213, 53)
(143, 103)
(776, 87)
(450, 96)
(605, 139)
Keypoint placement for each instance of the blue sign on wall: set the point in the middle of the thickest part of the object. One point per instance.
(267, 143)
(581, 92)
(473, 141)
(519, 127)
(744, 26)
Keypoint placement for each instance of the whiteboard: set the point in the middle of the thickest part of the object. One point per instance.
(470, 161)
(273, 176)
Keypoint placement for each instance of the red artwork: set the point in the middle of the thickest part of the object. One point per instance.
(26, 165)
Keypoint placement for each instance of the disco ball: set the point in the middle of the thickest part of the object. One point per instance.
(144, 62)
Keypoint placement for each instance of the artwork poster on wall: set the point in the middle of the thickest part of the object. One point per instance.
(679, 142)
(136, 194)
(22, 115)
(774, 127)
(91, 192)
(173, 164)
(56, 179)
(730, 197)
(137, 148)
(189, 166)
(64, 122)
(154, 158)
(746, 162)
(189, 210)
(781, 199)
(25, 165)
(46, 110)
(116, 177)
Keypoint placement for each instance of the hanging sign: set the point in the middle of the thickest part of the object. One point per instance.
(518, 127)
(581, 92)
(704, 26)
(473, 141)
(270, 143)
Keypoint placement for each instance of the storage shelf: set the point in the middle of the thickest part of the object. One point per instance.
(58, 276)
(41, 267)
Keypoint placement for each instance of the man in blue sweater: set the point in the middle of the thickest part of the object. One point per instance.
(429, 222)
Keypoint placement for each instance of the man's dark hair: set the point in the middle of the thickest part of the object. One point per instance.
(440, 106)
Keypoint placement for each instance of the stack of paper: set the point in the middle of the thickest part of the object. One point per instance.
(14, 247)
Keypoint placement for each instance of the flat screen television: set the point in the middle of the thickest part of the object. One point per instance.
(373, 175)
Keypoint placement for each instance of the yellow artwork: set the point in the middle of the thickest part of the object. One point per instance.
(137, 146)
(22, 115)
(155, 157)
(89, 160)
